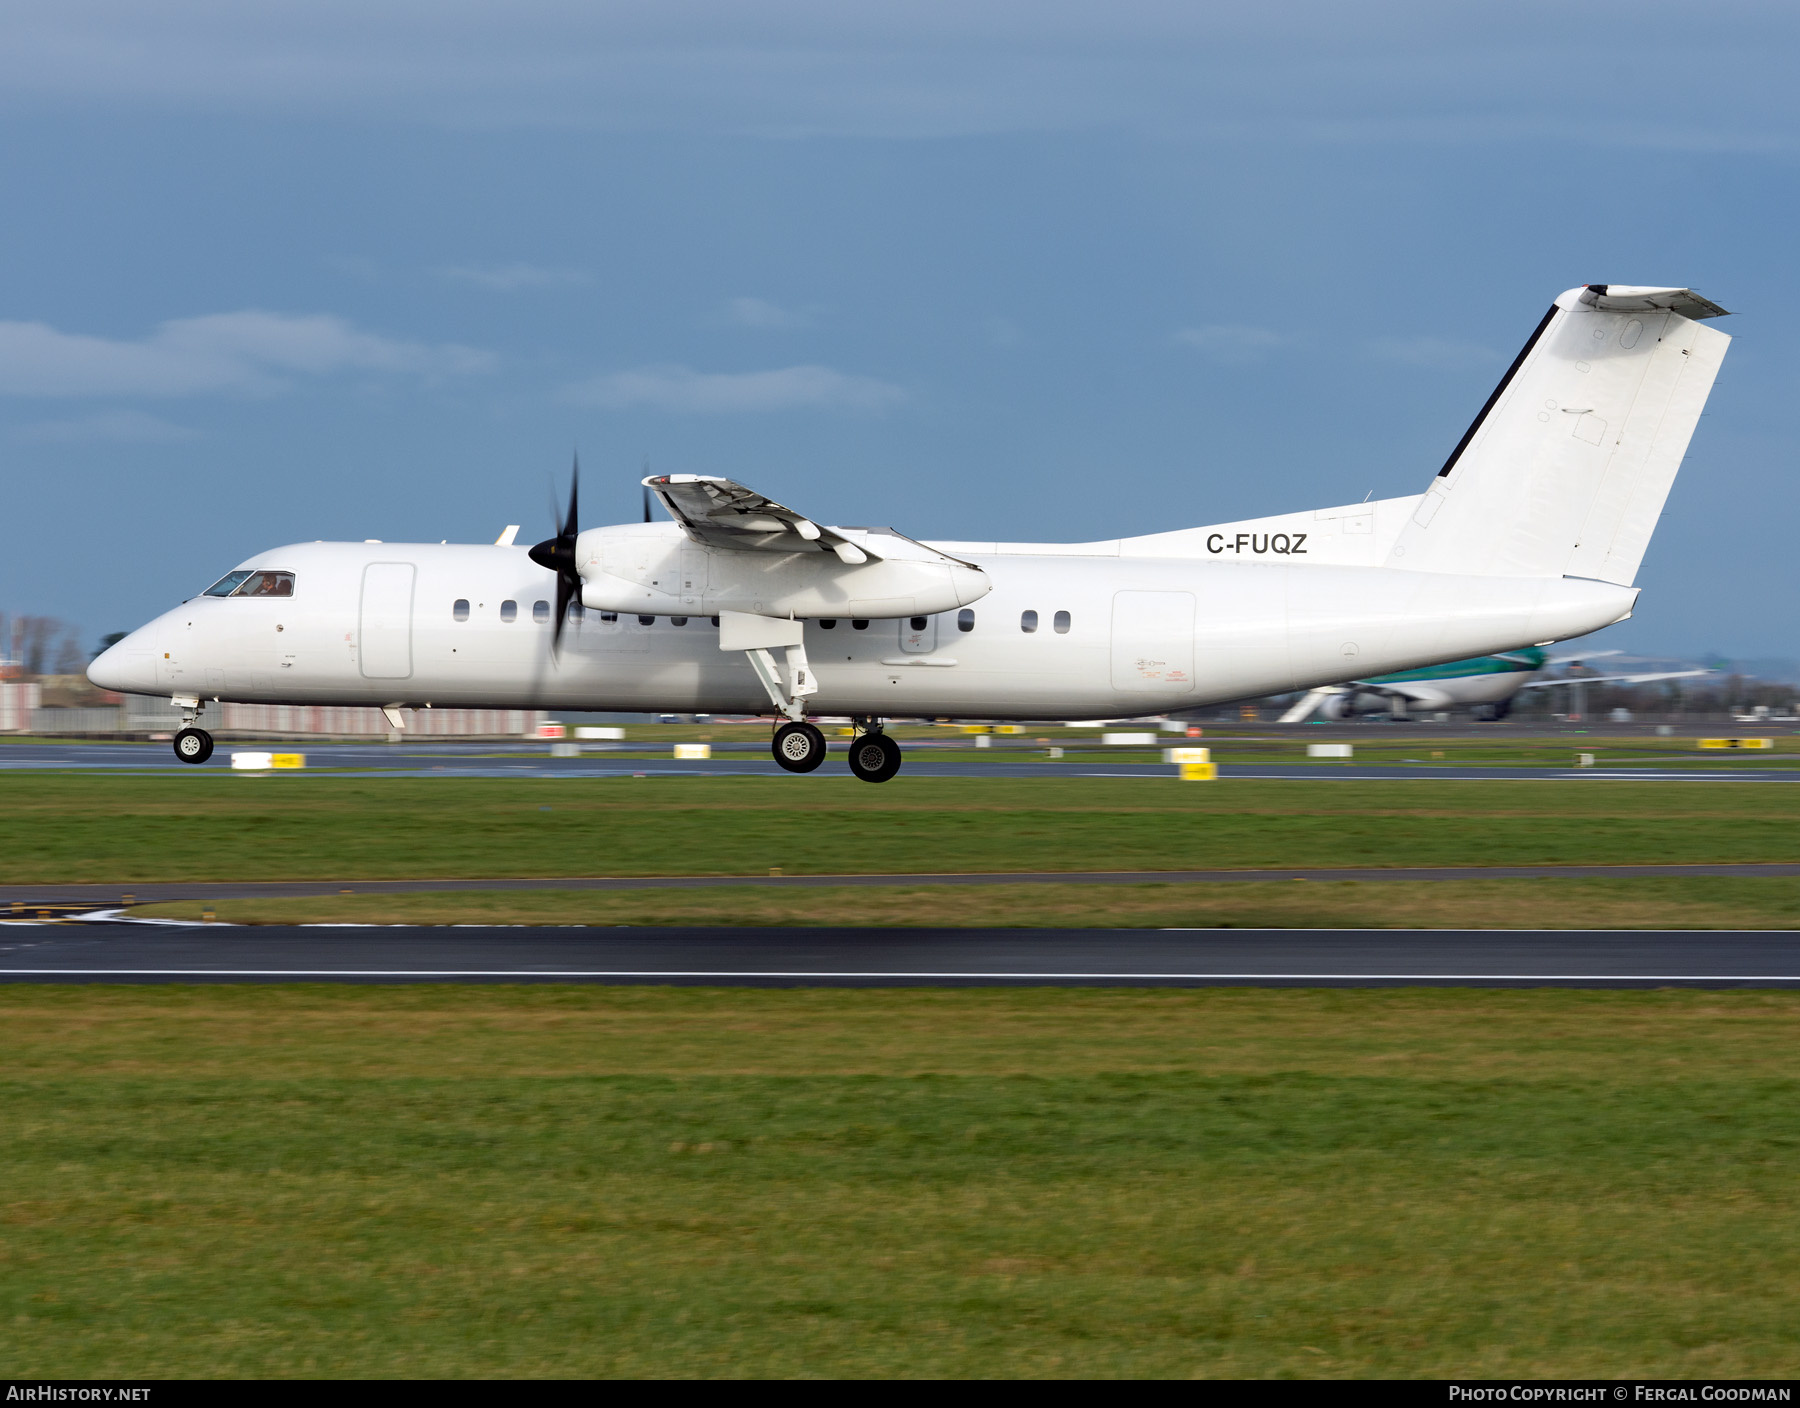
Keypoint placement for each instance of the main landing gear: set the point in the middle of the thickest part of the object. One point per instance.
(798, 747)
(193, 745)
(874, 757)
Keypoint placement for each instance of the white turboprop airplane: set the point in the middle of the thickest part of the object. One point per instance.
(1486, 686)
(1531, 532)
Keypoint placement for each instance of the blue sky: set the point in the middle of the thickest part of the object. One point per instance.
(1042, 271)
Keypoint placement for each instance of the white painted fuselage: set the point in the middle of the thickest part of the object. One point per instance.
(1115, 634)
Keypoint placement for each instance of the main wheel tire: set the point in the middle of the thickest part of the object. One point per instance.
(874, 757)
(193, 745)
(798, 747)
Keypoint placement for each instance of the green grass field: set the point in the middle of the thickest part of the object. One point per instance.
(569, 1181)
(585, 1181)
(216, 825)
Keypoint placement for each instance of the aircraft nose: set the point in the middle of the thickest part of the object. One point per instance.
(127, 666)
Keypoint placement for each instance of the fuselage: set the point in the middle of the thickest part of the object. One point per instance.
(1490, 679)
(1080, 631)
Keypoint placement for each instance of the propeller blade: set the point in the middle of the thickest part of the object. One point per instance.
(646, 503)
(557, 553)
(565, 591)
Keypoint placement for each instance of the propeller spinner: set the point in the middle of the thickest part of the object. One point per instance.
(558, 554)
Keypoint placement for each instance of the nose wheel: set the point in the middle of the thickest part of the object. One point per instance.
(193, 745)
(874, 757)
(798, 747)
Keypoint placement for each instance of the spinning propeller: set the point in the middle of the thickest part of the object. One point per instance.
(558, 554)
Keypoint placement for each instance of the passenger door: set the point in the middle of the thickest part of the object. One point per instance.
(384, 632)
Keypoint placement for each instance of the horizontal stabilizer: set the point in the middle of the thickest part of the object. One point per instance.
(1628, 298)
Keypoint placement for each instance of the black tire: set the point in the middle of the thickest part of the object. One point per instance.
(193, 745)
(798, 747)
(874, 757)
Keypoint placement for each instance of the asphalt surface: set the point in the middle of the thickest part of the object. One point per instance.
(846, 957)
(519, 760)
(28, 895)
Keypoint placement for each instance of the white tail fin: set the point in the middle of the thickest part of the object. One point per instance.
(1564, 472)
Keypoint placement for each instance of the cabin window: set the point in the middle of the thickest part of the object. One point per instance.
(253, 584)
(678, 620)
(859, 625)
(606, 615)
(828, 625)
(646, 620)
(715, 620)
(1028, 621)
(509, 611)
(461, 608)
(540, 612)
(577, 612)
(1061, 622)
(919, 623)
(965, 620)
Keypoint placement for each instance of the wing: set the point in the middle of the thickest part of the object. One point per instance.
(1577, 659)
(1615, 679)
(724, 514)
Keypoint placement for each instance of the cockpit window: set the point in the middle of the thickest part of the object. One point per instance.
(253, 584)
(226, 585)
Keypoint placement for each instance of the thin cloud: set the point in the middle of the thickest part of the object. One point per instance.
(761, 313)
(122, 427)
(249, 351)
(1229, 344)
(1431, 352)
(508, 278)
(1308, 71)
(675, 388)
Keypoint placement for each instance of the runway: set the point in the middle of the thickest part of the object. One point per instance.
(528, 760)
(848, 957)
(128, 892)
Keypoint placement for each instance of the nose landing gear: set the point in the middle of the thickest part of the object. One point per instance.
(193, 745)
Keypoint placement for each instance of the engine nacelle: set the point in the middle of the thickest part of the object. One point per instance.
(656, 570)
